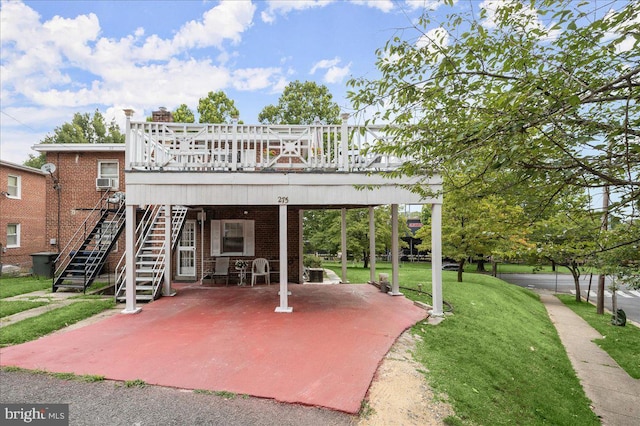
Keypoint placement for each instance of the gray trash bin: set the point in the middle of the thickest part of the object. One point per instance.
(43, 263)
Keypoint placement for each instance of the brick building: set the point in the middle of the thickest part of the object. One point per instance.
(22, 214)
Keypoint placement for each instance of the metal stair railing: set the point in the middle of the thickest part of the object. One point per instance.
(143, 230)
(149, 223)
(80, 236)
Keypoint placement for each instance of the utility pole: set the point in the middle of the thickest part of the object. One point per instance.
(604, 228)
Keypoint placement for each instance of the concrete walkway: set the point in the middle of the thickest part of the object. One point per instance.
(615, 395)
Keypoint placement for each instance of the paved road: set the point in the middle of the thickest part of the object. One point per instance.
(628, 299)
(111, 404)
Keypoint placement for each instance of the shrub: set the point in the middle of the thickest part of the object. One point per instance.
(311, 261)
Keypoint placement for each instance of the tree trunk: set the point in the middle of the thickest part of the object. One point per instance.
(573, 267)
(553, 266)
(494, 269)
(480, 267)
(460, 269)
(365, 257)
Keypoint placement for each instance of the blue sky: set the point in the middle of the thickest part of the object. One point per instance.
(62, 57)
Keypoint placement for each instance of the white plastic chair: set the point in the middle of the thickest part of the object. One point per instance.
(260, 268)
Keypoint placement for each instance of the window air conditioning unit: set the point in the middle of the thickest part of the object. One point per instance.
(104, 183)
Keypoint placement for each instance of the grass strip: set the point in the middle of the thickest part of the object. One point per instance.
(13, 286)
(10, 307)
(32, 328)
(621, 343)
(498, 360)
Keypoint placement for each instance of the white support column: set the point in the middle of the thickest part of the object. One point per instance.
(166, 288)
(128, 113)
(234, 145)
(436, 259)
(395, 252)
(344, 143)
(372, 245)
(343, 245)
(284, 295)
(130, 247)
(300, 244)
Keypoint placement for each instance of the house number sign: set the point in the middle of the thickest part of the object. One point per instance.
(283, 200)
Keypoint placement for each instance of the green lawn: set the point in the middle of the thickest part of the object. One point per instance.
(621, 343)
(13, 286)
(11, 307)
(498, 359)
(34, 327)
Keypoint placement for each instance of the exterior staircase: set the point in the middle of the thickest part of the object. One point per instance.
(80, 262)
(150, 253)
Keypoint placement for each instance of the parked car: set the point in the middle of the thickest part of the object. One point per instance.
(450, 267)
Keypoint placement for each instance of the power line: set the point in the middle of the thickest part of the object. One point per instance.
(18, 121)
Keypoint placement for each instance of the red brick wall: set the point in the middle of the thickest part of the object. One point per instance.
(266, 235)
(29, 211)
(77, 173)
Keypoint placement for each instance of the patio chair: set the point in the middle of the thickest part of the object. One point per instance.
(221, 269)
(260, 268)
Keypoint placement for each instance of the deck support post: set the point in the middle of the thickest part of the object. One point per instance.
(343, 244)
(168, 228)
(130, 261)
(395, 252)
(284, 293)
(372, 245)
(436, 259)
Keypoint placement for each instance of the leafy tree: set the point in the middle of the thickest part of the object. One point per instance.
(36, 161)
(85, 128)
(477, 227)
(500, 90)
(183, 114)
(323, 231)
(216, 107)
(302, 103)
(569, 239)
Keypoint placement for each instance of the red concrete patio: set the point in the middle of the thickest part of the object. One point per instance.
(325, 353)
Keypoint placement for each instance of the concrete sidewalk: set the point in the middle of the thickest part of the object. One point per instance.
(615, 396)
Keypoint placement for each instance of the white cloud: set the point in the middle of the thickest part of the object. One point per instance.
(337, 74)
(433, 40)
(334, 74)
(527, 16)
(283, 7)
(424, 4)
(38, 57)
(383, 5)
(325, 63)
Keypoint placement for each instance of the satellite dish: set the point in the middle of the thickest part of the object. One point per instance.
(48, 168)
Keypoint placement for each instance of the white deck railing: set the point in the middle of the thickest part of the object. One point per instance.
(155, 146)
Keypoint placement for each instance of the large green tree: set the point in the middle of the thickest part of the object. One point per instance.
(322, 231)
(85, 128)
(217, 107)
(302, 103)
(545, 86)
(477, 228)
(516, 94)
(183, 114)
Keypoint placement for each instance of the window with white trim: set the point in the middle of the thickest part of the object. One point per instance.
(14, 189)
(232, 238)
(13, 235)
(109, 169)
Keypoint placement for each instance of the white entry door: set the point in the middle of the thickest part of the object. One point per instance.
(187, 250)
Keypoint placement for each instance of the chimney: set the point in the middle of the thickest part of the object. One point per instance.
(162, 115)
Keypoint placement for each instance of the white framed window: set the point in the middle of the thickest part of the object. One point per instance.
(232, 238)
(108, 169)
(14, 187)
(13, 235)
